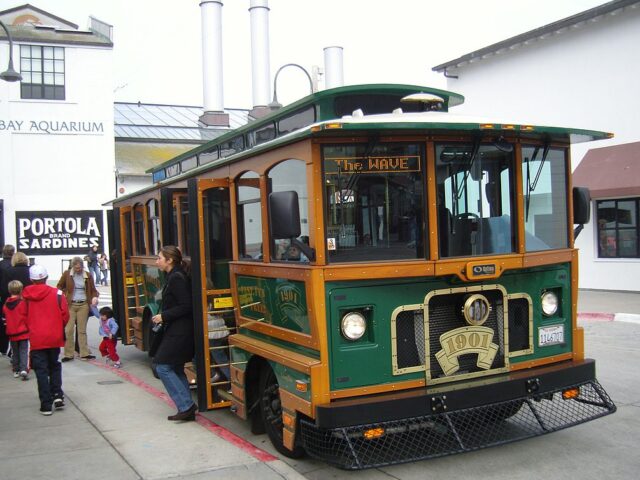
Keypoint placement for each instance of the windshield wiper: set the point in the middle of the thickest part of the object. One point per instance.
(532, 186)
(469, 165)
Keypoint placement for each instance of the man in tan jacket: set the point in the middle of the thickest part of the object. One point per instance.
(79, 288)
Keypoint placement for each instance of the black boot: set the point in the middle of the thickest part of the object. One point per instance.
(187, 415)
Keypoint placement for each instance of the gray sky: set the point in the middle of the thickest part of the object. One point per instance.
(157, 43)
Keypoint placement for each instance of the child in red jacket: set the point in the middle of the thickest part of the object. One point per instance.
(47, 315)
(15, 313)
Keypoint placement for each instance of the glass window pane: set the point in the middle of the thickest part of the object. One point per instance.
(474, 199)
(36, 65)
(36, 52)
(59, 66)
(545, 198)
(59, 95)
(48, 78)
(628, 243)
(25, 65)
(25, 51)
(47, 52)
(26, 77)
(49, 93)
(48, 65)
(59, 79)
(374, 201)
(59, 53)
(249, 216)
(217, 237)
(290, 175)
(607, 243)
(626, 213)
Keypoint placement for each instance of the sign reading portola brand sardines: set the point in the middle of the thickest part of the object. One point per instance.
(55, 233)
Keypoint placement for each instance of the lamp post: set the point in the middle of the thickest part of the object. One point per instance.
(10, 75)
(274, 105)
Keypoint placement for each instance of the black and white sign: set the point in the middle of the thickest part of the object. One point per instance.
(57, 233)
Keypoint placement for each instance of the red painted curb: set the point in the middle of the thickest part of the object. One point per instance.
(597, 317)
(213, 427)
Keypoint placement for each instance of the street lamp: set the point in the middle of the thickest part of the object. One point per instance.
(274, 105)
(10, 75)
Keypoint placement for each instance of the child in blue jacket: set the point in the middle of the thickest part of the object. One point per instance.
(107, 330)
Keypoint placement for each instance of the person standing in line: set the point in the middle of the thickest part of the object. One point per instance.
(176, 346)
(107, 330)
(93, 264)
(15, 313)
(47, 316)
(5, 265)
(80, 291)
(103, 263)
(19, 269)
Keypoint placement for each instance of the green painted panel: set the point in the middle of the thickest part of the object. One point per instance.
(368, 361)
(275, 301)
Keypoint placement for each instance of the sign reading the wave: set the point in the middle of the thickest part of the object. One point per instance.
(386, 164)
(57, 233)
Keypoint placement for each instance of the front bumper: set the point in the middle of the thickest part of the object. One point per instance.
(437, 421)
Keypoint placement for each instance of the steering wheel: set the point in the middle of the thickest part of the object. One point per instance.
(465, 215)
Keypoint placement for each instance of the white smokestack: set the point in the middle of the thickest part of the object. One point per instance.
(261, 70)
(211, 12)
(333, 72)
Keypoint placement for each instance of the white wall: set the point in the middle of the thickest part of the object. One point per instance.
(586, 78)
(63, 170)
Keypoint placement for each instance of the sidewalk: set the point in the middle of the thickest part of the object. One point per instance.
(115, 426)
(609, 306)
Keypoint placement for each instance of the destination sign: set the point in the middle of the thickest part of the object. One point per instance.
(385, 164)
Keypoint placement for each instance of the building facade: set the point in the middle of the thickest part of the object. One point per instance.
(56, 137)
(580, 72)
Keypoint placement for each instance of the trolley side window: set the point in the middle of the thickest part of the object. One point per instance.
(153, 227)
(290, 175)
(249, 217)
(138, 230)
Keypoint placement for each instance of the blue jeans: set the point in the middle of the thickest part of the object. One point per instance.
(95, 270)
(176, 384)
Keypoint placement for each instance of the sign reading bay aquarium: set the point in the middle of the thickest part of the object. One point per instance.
(57, 233)
(52, 127)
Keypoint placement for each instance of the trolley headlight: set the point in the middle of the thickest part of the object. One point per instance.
(549, 301)
(353, 326)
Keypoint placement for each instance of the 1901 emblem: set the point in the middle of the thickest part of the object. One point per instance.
(473, 339)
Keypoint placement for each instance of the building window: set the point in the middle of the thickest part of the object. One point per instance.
(42, 70)
(618, 231)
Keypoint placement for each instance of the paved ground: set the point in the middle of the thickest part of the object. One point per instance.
(115, 427)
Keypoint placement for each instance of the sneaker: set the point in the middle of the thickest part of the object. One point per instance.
(66, 359)
(46, 411)
(24, 375)
(16, 374)
(116, 365)
(88, 357)
(58, 403)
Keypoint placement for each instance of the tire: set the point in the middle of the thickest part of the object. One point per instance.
(271, 413)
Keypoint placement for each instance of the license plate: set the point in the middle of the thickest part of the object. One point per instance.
(552, 335)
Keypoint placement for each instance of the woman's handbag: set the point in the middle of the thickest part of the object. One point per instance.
(155, 337)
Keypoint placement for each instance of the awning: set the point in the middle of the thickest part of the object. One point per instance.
(610, 172)
(136, 158)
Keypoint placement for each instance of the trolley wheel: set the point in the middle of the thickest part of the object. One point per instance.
(271, 413)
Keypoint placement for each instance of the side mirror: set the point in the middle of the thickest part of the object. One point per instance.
(581, 205)
(284, 215)
(581, 209)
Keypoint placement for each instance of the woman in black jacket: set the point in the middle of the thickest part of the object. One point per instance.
(19, 269)
(177, 345)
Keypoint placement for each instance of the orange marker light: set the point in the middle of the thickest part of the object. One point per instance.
(301, 386)
(373, 433)
(486, 126)
(570, 393)
(333, 125)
